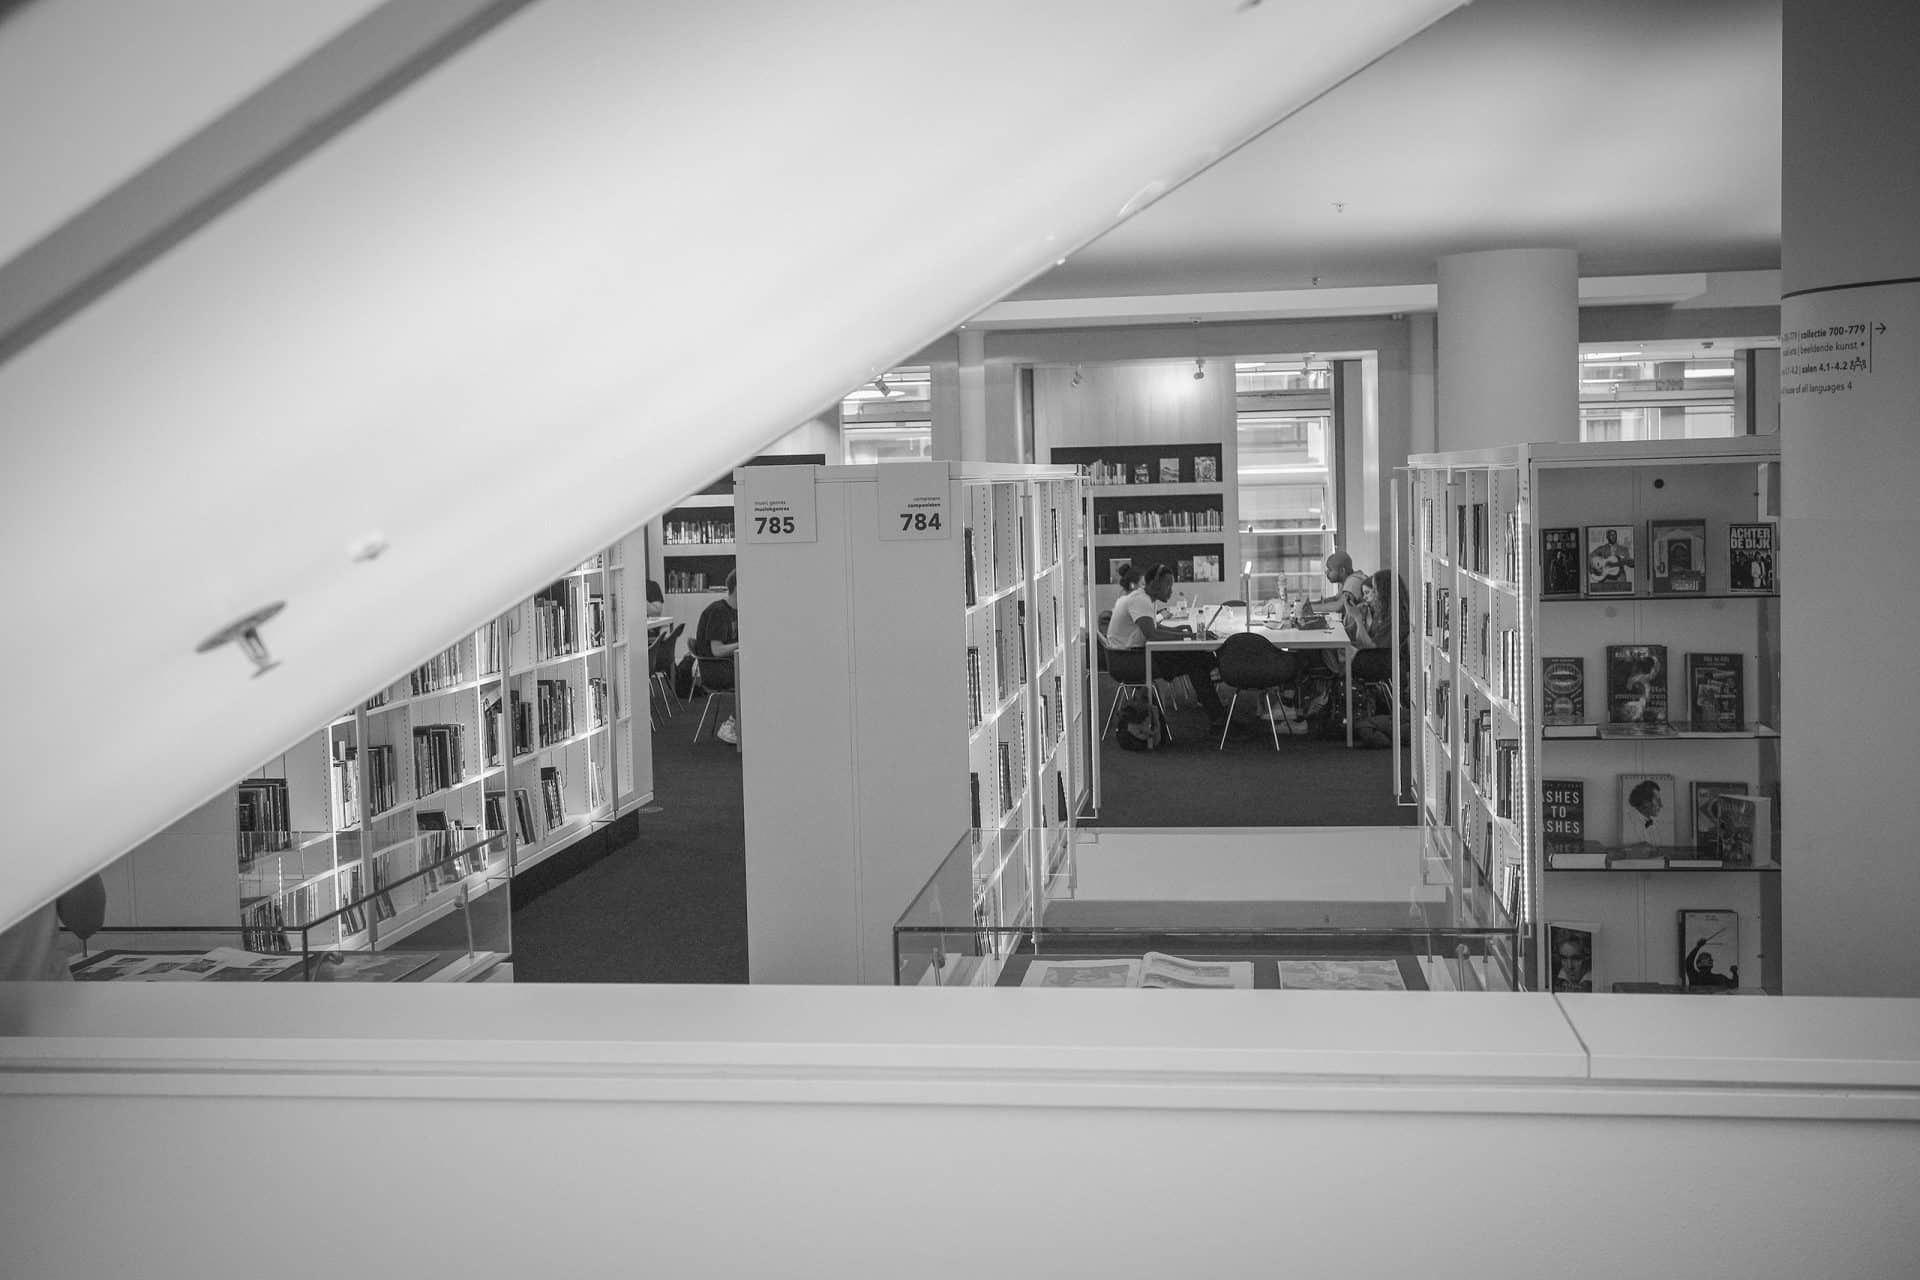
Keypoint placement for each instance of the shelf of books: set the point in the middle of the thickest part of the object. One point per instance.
(1599, 674)
(1157, 503)
(964, 702)
(520, 730)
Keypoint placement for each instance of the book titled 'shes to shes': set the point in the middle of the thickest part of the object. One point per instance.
(1563, 803)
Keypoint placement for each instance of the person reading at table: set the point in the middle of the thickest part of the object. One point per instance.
(1136, 621)
(715, 643)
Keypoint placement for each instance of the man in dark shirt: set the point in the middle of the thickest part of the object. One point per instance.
(715, 643)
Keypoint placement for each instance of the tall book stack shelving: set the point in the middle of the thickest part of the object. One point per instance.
(1159, 503)
(911, 691)
(1597, 674)
(522, 728)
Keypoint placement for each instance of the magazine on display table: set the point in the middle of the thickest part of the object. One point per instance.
(1156, 969)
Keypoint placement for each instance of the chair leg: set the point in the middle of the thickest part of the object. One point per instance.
(1228, 724)
(1267, 700)
(713, 699)
(1118, 693)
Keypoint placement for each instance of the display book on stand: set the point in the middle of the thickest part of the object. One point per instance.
(490, 756)
(1651, 732)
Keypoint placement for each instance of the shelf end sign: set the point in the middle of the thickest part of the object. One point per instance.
(776, 504)
(912, 501)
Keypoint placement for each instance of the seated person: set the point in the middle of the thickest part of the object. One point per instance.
(1129, 580)
(1351, 602)
(714, 644)
(656, 599)
(1135, 621)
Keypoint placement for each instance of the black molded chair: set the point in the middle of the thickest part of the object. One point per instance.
(660, 664)
(1251, 664)
(1128, 667)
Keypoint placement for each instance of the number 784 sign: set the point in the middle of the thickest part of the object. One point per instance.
(911, 501)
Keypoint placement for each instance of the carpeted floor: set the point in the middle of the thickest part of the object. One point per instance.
(671, 905)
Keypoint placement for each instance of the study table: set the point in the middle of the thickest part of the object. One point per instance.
(1223, 622)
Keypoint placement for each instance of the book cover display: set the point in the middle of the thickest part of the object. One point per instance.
(1563, 803)
(1750, 558)
(1169, 471)
(1716, 692)
(1709, 948)
(1563, 690)
(1610, 560)
(1716, 823)
(1679, 549)
(1637, 689)
(1559, 564)
(1571, 949)
(1206, 469)
(1646, 810)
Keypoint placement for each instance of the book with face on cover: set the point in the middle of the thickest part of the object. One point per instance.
(1709, 948)
(1610, 560)
(1646, 810)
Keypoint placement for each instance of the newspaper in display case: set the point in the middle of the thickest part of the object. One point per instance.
(1155, 969)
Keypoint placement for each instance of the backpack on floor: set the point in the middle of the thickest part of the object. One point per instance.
(683, 678)
(1140, 727)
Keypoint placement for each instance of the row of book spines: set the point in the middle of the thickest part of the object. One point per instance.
(696, 532)
(1155, 522)
(1202, 468)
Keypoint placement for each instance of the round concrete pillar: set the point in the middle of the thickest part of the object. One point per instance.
(1509, 349)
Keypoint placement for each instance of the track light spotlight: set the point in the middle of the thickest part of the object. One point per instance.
(1199, 368)
(880, 385)
(1076, 375)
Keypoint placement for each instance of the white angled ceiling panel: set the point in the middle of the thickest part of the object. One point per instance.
(499, 321)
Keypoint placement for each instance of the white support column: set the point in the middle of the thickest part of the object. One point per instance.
(1509, 348)
(1422, 353)
(973, 395)
(1850, 453)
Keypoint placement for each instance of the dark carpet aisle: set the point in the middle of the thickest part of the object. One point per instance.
(667, 901)
(668, 906)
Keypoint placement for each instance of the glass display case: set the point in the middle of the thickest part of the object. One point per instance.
(446, 919)
(1311, 908)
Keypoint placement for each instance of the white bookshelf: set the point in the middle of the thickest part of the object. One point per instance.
(1487, 623)
(861, 740)
(366, 793)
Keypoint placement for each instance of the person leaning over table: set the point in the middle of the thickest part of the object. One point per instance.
(1136, 620)
(1351, 602)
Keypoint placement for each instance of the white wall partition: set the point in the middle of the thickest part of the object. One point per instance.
(307, 1132)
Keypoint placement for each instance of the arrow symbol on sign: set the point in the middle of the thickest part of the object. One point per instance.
(1880, 327)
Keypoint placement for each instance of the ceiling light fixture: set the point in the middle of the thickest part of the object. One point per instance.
(1199, 368)
(1694, 371)
(1592, 356)
(880, 385)
(1076, 375)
